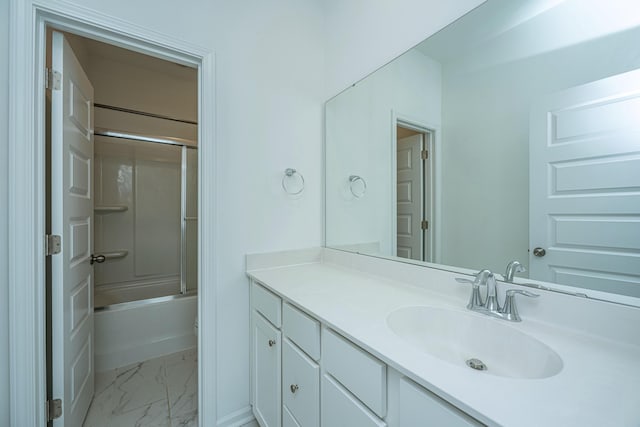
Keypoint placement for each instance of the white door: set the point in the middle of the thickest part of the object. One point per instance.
(585, 186)
(72, 218)
(409, 198)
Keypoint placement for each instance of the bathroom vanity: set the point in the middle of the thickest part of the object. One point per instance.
(341, 339)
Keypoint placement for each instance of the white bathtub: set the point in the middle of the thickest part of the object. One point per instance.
(136, 331)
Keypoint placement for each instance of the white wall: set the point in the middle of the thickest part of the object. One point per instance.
(362, 35)
(4, 285)
(271, 82)
(485, 196)
(359, 128)
(269, 101)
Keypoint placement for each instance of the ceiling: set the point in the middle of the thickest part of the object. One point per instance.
(506, 30)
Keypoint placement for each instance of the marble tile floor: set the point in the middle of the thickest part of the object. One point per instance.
(160, 392)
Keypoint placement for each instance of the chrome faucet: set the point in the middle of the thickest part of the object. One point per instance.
(491, 306)
(512, 268)
(491, 303)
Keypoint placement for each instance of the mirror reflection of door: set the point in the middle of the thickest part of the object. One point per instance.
(412, 190)
(585, 172)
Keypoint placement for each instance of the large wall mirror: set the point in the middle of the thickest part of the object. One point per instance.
(511, 134)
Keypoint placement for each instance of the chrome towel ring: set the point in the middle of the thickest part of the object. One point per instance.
(289, 181)
(357, 186)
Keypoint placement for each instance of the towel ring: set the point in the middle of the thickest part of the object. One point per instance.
(353, 179)
(289, 173)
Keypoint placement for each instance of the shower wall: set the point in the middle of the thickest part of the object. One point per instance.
(137, 220)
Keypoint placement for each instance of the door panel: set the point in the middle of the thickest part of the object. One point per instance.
(585, 186)
(267, 348)
(72, 218)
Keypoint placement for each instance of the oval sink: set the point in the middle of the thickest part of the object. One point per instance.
(475, 342)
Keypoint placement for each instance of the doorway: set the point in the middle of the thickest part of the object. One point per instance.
(122, 191)
(26, 207)
(414, 191)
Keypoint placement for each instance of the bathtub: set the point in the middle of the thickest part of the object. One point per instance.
(135, 331)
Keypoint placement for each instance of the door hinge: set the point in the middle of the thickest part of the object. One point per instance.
(52, 79)
(54, 409)
(425, 224)
(52, 244)
(424, 154)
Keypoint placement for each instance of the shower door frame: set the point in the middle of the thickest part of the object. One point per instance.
(27, 189)
(184, 219)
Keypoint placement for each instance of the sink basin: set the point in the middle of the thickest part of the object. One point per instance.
(474, 342)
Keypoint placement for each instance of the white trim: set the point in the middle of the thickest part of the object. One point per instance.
(434, 204)
(26, 191)
(238, 418)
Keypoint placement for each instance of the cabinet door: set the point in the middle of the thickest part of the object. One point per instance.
(341, 409)
(358, 371)
(419, 407)
(287, 418)
(266, 350)
(301, 380)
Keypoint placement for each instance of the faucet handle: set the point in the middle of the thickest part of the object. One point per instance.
(475, 300)
(469, 281)
(510, 311)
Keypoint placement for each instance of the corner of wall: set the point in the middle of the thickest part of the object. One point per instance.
(4, 284)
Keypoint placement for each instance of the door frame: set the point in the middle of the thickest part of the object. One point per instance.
(26, 187)
(432, 206)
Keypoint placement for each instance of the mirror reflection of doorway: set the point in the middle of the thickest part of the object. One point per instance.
(414, 184)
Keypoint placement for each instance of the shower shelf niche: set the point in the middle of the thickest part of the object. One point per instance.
(110, 209)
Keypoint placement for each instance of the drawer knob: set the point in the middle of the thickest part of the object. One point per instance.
(272, 343)
(294, 388)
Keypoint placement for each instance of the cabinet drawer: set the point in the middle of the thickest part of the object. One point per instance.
(419, 406)
(362, 374)
(302, 330)
(340, 409)
(300, 385)
(267, 303)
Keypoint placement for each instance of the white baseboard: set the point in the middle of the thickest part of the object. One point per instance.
(238, 418)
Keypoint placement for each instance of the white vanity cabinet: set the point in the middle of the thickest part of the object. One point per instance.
(304, 374)
(301, 386)
(300, 370)
(354, 381)
(285, 374)
(266, 356)
(416, 405)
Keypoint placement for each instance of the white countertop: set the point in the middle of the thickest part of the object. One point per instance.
(599, 384)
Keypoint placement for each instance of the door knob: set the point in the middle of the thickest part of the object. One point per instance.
(97, 258)
(272, 343)
(539, 252)
(294, 388)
